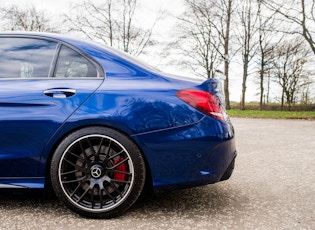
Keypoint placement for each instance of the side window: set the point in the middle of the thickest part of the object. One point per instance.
(71, 64)
(25, 57)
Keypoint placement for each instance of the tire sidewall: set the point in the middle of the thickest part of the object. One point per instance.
(136, 158)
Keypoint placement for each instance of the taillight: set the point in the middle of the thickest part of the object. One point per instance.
(203, 101)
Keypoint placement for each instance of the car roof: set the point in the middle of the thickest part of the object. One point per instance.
(57, 36)
(92, 48)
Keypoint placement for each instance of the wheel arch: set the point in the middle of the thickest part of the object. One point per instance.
(148, 187)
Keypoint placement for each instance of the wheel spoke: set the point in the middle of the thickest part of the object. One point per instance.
(101, 197)
(121, 181)
(107, 151)
(69, 172)
(119, 163)
(77, 156)
(81, 169)
(84, 154)
(76, 189)
(96, 173)
(94, 153)
(74, 181)
(92, 198)
(84, 193)
(116, 155)
(118, 171)
(114, 187)
(97, 153)
(108, 194)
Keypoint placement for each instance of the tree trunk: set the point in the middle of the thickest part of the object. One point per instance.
(262, 70)
(245, 68)
(226, 55)
(261, 101)
(282, 100)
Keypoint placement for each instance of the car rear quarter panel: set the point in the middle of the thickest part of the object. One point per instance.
(175, 139)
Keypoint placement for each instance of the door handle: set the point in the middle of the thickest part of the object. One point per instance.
(59, 93)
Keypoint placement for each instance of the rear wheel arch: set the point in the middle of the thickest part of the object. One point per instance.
(98, 130)
(51, 151)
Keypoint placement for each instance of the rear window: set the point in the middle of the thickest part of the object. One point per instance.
(26, 57)
(71, 64)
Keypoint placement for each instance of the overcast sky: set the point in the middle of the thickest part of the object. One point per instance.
(63, 5)
(149, 11)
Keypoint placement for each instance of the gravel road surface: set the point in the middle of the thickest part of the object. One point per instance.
(273, 187)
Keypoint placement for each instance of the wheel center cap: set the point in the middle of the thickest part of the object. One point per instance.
(96, 171)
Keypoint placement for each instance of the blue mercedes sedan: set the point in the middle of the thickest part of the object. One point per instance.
(98, 126)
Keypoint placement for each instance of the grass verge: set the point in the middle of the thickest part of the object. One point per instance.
(309, 115)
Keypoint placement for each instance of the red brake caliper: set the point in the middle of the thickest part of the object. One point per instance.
(122, 167)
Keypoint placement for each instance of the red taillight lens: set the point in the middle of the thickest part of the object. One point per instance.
(203, 101)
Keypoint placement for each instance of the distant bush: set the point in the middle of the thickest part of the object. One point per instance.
(307, 115)
(274, 106)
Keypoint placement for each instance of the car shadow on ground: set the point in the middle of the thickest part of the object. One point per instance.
(206, 200)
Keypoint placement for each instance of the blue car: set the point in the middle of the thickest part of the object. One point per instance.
(98, 126)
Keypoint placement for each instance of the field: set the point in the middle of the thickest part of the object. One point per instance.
(273, 111)
(309, 115)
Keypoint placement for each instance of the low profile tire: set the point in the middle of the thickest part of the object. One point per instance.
(97, 172)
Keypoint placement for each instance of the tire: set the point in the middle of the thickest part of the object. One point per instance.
(97, 172)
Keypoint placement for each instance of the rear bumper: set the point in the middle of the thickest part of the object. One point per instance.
(229, 171)
(190, 156)
(218, 166)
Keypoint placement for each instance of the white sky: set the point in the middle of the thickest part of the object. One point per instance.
(149, 11)
(62, 5)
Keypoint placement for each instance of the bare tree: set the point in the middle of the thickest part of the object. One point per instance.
(266, 41)
(248, 23)
(26, 19)
(204, 38)
(224, 11)
(226, 37)
(299, 13)
(288, 64)
(198, 38)
(112, 23)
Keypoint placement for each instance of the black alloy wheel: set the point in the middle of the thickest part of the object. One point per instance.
(97, 172)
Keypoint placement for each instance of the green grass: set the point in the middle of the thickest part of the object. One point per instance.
(309, 115)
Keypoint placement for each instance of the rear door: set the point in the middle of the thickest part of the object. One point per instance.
(42, 83)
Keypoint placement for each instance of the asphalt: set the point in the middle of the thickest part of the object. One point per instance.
(273, 187)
